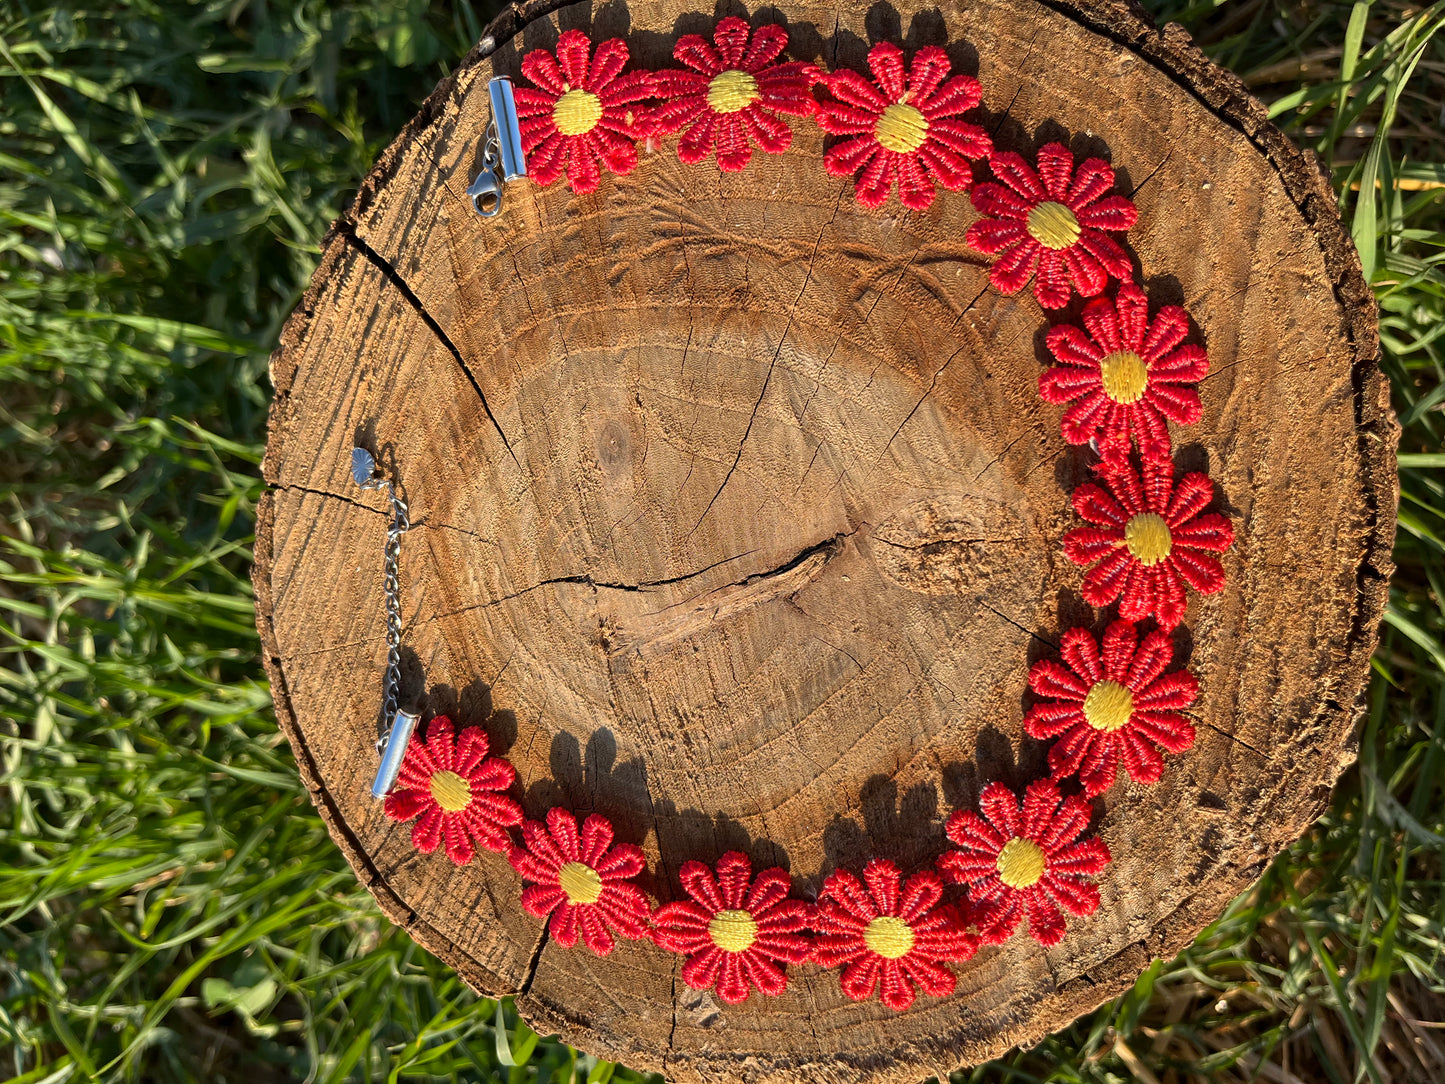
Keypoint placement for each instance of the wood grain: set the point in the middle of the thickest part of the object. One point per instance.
(738, 518)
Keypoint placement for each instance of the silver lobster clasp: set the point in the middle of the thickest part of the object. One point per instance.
(502, 156)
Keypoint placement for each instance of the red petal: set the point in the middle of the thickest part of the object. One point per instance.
(959, 94)
(1046, 924)
(767, 44)
(882, 877)
(992, 235)
(769, 132)
(1000, 806)
(765, 975)
(573, 49)
(1081, 652)
(1092, 179)
(852, 89)
(885, 60)
(734, 875)
(1014, 266)
(844, 159)
(427, 833)
(1113, 213)
(1170, 326)
(701, 971)
(915, 190)
(1085, 271)
(1055, 165)
(595, 934)
(403, 805)
(876, 180)
(860, 978)
(897, 992)
(697, 143)
(694, 51)
(930, 67)
(1048, 678)
(731, 37)
(732, 984)
(1051, 279)
(733, 152)
(1013, 171)
(459, 847)
(997, 201)
(582, 171)
(607, 64)
(1052, 719)
(541, 68)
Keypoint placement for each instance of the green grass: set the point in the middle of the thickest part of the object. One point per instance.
(170, 906)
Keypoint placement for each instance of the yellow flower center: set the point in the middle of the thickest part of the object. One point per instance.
(1108, 706)
(889, 937)
(732, 92)
(577, 112)
(1021, 863)
(901, 128)
(580, 882)
(450, 791)
(1053, 225)
(1147, 537)
(733, 931)
(1124, 376)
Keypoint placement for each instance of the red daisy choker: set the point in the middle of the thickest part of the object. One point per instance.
(1123, 372)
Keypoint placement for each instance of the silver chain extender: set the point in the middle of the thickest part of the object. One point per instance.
(396, 726)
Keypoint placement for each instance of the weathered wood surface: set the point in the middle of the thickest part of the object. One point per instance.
(738, 518)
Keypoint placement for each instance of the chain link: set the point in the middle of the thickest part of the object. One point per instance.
(399, 525)
(364, 473)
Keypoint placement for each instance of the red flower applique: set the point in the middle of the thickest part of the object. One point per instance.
(583, 114)
(581, 880)
(459, 792)
(1152, 537)
(1025, 861)
(733, 94)
(1050, 225)
(905, 125)
(881, 932)
(735, 930)
(1128, 374)
(1111, 705)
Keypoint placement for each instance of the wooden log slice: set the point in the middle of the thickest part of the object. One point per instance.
(738, 518)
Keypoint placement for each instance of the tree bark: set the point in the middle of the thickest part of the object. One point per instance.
(738, 518)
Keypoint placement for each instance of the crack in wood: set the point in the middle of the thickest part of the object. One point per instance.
(830, 547)
(951, 540)
(996, 460)
(1232, 737)
(767, 379)
(1040, 637)
(1152, 173)
(672, 1032)
(536, 960)
(932, 384)
(643, 586)
(428, 525)
(423, 524)
(347, 229)
(326, 494)
(1028, 52)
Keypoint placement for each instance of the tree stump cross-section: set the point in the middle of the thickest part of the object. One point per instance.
(737, 518)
